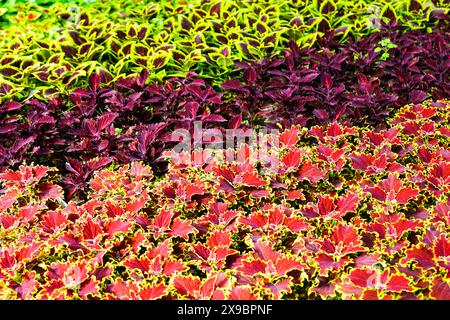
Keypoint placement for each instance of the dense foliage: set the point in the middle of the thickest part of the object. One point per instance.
(129, 120)
(48, 49)
(224, 149)
(350, 213)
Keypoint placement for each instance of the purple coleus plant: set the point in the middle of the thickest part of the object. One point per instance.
(362, 81)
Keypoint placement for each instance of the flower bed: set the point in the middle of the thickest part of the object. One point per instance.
(349, 212)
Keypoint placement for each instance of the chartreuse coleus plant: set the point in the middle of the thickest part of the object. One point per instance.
(349, 213)
(171, 38)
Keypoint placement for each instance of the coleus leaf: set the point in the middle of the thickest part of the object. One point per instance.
(242, 293)
(311, 172)
(117, 226)
(289, 138)
(152, 292)
(232, 85)
(181, 228)
(187, 286)
(250, 179)
(92, 230)
(440, 289)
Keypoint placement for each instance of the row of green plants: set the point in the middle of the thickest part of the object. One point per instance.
(349, 213)
(49, 49)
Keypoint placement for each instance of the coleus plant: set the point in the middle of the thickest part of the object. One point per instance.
(373, 226)
(171, 38)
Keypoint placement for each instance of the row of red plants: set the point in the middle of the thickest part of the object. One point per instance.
(360, 82)
(349, 213)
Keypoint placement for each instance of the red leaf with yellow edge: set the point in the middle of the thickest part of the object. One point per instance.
(181, 228)
(11, 176)
(289, 138)
(370, 295)
(162, 250)
(69, 239)
(135, 206)
(8, 221)
(8, 200)
(222, 253)
(295, 194)
(218, 215)
(91, 230)
(89, 288)
(187, 286)
(162, 221)
(361, 162)
(29, 285)
(329, 263)
(324, 290)
(296, 224)
(250, 179)
(362, 277)
(124, 290)
(28, 214)
(212, 286)
(422, 254)
(53, 221)
(404, 225)
(265, 251)
(142, 263)
(113, 227)
(405, 194)
(255, 220)
(242, 293)
(377, 193)
(28, 252)
(279, 287)
(252, 267)
(442, 252)
(219, 238)
(348, 203)
(172, 266)
(192, 190)
(311, 172)
(345, 234)
(286, 264)
(325, 205)
(153, 292)
(398, 283)
(276, 216)
(367, 259)
(50, 191)
(391, 183)
(440, 289)
(292, 159)
(442, 247)
(8, 260)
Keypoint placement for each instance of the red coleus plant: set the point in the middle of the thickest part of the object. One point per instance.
(349, 213)
(392, 191)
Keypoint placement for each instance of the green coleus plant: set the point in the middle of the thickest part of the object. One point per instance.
(171, 38)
